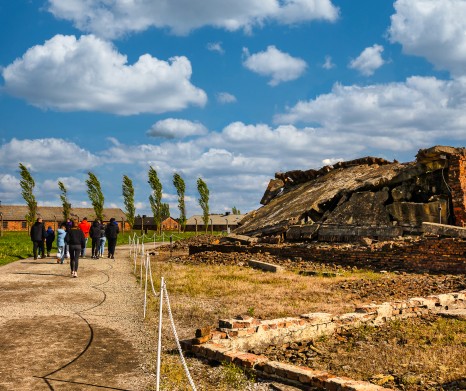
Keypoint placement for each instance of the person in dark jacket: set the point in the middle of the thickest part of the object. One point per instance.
(49, 238)
(38, 236)
(76, 241)
(111, 232)
(94, 234)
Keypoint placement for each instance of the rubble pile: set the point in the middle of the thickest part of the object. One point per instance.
(183, 245)
(388, 286)
(367, 197)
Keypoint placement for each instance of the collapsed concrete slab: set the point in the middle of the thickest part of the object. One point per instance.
(368, 197)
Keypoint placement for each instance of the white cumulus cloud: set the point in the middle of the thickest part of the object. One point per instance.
(88, 74)
(432, 29)
(225, 97)
(215, 47)
(176, 128)
(280, 66)
(115, 18)
(46, 155)
(394, 116)
(369, 60)
(328, 64)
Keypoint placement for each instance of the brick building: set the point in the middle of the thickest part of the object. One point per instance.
(148, 223)
(12, 217)
(217, 222)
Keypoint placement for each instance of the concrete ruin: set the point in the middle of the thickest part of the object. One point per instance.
(364, 198)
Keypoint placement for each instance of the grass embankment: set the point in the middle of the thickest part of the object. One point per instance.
(18, 245)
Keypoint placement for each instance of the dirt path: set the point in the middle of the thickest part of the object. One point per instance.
(62, 333)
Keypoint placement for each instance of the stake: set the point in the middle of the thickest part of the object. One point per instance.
(145, 286)
(159, 346)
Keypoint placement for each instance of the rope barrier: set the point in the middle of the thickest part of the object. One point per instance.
(175, 334)
(145, 262)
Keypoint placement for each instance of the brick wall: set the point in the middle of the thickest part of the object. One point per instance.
(232, 340)
(457, 183)
(14, 226)
(435, 255)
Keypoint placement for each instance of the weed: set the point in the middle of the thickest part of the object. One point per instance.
(234, 377)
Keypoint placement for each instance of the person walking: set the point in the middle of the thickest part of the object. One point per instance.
(94, 234)
(84, 226)
(38, 236)
(76, 241)
(49, 238)
(61, 250)
(111, 232)
(68, 225)
(103, 239)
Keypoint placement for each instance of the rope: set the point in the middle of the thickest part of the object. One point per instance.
(185, 366)
(156, 294)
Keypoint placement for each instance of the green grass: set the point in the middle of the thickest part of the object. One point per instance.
(123, 238)
(14, 246)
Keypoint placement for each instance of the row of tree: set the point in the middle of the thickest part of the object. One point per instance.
(160, 210)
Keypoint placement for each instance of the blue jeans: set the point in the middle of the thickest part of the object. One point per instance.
(102, 245)
(61, 253)
(83, 250)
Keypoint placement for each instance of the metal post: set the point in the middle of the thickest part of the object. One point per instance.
(159, 346)
(211, 227)
(440, 214)
(196, 225)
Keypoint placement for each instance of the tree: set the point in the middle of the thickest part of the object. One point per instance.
(65, 202)
(96, 197)
(27, 191)
(128, 197)
(155, 198)
(235, 211)
(204, 201)
(165, 211)
(180, 187)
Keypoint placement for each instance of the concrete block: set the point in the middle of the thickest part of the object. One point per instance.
(265, 266)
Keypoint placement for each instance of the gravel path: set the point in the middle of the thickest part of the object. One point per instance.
(62, 333)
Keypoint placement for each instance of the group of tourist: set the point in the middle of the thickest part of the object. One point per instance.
(72, 238)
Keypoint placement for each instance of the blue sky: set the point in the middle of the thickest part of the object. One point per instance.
(231, 91)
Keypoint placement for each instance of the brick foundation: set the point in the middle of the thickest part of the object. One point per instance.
(233, 338)
(428, 254)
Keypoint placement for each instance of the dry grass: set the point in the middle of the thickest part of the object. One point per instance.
(204, 293)
(413, 354)
(200, 295)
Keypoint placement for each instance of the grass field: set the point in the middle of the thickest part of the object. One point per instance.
(18, 245)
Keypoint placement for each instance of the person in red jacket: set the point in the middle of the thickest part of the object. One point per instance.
(84, 226)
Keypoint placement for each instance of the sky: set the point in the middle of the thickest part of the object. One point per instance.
(229, 91)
